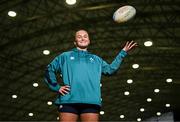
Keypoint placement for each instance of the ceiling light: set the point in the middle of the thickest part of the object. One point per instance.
(142, 109)
(149, 99)
(156, 90)
(35, 84)
(148, 43)
(129, 81)
(46, 52)
(126, 93)
(138, 119)
(57, 118)
(168, 105)
(101, 112)
(49, 103)
(121, 116)
(14, 96)
(30, 114)
(158, 113)
(70, 2)
(12, 13)
(168, 80)
(135, 66)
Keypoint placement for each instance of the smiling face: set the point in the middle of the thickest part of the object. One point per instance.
(82, 39)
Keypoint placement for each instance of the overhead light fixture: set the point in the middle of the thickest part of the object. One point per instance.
(122, 116)
(70, 2)
(168, 80)
(158, 113)
(156, 90)
(35, 84)
(142, 109)
(138, 119)
(12, 13)
(14, 96)
(129, 81)
(126, 93)
(49, 103)
(148, 43)
(30, 114)
(168, 105)
(46, 52)
(149, 99)
(135, 66)
(102, 112)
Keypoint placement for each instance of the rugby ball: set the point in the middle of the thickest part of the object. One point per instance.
(124, 14)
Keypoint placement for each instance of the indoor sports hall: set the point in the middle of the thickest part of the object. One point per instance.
(146, 87)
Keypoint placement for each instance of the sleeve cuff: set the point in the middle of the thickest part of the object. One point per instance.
(123, 53)
(57, 88)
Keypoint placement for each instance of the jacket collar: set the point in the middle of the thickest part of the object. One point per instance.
(76, 50)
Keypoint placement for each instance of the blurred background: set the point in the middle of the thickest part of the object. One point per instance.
(33, 32)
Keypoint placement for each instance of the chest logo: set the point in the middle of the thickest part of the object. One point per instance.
(91, 59)
(72, 58)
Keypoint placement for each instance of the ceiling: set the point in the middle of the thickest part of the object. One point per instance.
(51, 24)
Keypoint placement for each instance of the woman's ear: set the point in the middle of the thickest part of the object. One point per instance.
(75, 43)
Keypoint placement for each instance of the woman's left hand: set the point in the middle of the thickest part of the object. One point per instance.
(129, 46)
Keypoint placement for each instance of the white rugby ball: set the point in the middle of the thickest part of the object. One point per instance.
(124, 14)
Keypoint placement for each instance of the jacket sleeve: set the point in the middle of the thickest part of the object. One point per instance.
(50, 74)
(111, 68)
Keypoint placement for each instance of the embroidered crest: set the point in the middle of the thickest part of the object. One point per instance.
(91, 59)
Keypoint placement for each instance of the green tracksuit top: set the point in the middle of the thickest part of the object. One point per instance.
(82, 71)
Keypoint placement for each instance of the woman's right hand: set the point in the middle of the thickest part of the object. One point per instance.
(64, 90)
